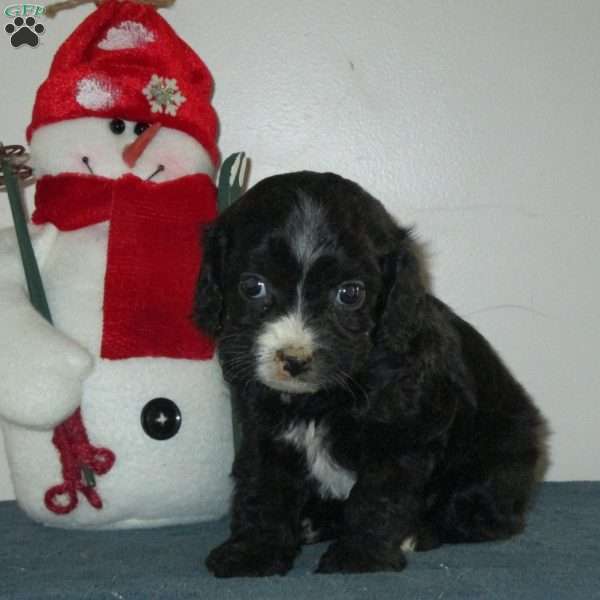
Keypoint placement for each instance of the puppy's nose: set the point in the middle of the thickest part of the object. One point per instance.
(294, 364)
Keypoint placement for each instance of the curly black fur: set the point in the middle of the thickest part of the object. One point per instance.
(411, 429)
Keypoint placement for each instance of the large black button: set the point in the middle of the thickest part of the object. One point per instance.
(161, 418)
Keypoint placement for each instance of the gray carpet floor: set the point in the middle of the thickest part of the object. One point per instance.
(558, 556)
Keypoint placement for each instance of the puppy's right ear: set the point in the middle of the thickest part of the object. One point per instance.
(404, 299)
(208, 304)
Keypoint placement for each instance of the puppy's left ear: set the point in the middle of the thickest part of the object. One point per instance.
(208, 304)
(403, 307)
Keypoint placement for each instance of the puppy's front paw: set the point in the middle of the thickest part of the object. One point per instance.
(352, 557)
(242, 558)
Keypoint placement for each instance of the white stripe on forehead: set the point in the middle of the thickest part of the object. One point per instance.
(307, 230)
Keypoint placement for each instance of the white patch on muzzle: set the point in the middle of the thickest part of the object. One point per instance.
(288, 333)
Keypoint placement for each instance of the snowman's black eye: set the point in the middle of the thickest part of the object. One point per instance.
(117, 126)
(140, 127)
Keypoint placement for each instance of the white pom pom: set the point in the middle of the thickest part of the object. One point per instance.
(95, 94)
(128, 34)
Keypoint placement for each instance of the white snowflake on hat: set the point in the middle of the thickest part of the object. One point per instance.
(163, 95)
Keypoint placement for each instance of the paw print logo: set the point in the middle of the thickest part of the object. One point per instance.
(24, 31)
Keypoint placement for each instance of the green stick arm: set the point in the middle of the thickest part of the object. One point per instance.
(232, 179)
(35, 286)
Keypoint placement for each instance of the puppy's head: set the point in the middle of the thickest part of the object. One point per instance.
(300, 278)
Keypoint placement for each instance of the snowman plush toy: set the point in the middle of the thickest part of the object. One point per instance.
(116, 416)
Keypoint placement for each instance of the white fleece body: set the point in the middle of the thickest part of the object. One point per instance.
(47, 372)
(182, 479)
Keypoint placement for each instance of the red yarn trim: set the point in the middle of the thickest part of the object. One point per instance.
(76, 452)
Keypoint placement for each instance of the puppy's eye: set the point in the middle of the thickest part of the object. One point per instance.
(253, 287)
(351, 295)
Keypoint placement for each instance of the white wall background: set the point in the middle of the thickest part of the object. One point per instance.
(477, 121)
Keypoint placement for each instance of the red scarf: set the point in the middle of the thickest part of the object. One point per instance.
(153, 255)
(153, 260)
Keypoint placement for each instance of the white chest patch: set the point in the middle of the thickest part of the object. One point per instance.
(334, 481)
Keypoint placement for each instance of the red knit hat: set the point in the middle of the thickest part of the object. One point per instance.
(125, 61)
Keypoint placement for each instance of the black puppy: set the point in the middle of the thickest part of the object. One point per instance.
(370, 412)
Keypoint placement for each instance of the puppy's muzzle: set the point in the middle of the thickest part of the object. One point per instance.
(293, 361)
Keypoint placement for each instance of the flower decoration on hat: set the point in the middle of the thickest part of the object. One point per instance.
(163, 95)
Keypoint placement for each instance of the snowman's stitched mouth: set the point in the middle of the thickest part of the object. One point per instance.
(159, 169)
(86, 161)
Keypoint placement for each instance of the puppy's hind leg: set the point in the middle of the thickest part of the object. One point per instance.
(490, 509)
(321, 520)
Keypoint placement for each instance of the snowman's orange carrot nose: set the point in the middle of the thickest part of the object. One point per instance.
(133, 151)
